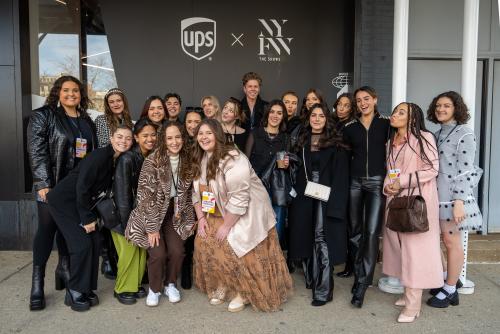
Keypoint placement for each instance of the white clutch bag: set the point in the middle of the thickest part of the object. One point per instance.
(313, 189)
(317, 191)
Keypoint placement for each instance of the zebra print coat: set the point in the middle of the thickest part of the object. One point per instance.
(153, 199)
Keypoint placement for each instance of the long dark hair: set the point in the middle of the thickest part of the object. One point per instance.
(415, 126)
(461, 112)
(303, 108)
(329, 136)
(147, 104)
(265, 117)
(53, 99)
(222, 149)
(350, 97)
(185, 158)
(112, 119)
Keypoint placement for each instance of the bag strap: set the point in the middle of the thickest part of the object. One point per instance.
(304, 161)
(418, 184)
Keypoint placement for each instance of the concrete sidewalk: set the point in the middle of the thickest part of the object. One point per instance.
(477, 313)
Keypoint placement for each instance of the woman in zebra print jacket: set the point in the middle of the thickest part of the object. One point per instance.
(164, 216)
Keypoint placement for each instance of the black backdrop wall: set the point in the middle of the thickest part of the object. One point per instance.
(292, 45)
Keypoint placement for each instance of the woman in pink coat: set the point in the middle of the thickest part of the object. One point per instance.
(414, 258)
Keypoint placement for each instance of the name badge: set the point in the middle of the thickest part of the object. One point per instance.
(394, 174)
(208, 202)
(81, 147)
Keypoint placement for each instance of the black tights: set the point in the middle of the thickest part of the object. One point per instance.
(44, 238)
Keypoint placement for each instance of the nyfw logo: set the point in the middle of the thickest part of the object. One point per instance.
(272, 43)
(198, 37)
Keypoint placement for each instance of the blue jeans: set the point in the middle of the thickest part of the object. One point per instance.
(280, 212)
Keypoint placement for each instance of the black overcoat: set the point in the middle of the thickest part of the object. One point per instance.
(334, 172)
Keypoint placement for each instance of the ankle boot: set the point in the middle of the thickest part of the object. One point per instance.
(106, 269)
(62, 272)
(37, 297)
(76, 300)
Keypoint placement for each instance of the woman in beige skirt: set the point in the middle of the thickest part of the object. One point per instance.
(237, 256)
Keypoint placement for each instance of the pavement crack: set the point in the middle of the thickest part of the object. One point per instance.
(15, 272)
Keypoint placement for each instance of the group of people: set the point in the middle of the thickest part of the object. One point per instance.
(220, 195)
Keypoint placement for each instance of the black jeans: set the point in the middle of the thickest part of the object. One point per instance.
(44, 237)
(366, 210)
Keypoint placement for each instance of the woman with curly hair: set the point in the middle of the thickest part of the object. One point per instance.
(164, 216)
(458, 176)
(237, 255)
(317, 227)
(60, 134)
(116, 112)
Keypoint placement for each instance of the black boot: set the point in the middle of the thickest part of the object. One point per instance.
(358, 295)
(76, 300)
(62, 272)
(37, 297)
(107, 269)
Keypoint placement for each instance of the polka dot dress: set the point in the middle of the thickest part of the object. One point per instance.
(458, 176)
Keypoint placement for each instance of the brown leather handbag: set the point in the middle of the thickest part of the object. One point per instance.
(408, 214)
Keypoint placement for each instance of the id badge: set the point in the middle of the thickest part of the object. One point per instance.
(208, 202)
(394, 174)
(81, 147)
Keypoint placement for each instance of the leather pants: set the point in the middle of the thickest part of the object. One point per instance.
(366, 210)
(318, 269)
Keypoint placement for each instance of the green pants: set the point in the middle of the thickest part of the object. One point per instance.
(131, 264)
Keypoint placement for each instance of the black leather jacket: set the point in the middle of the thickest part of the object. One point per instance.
(51, 147)
(128, 168)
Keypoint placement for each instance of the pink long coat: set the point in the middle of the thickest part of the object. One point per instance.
(415, 258)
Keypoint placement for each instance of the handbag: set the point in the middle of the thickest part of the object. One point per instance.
(107, 211)
(408, 214)
(313, 189)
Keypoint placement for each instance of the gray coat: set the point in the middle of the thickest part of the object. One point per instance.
(458, 175)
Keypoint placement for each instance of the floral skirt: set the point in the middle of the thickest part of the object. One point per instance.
(261, 276)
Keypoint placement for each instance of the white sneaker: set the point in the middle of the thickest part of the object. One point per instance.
(174, 296)
(153, 298)
(390, 285)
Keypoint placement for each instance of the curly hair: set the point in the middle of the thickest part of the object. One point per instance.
(251, 76)
(184, 154)
(350, 97)
(111, 118)
(461, 112)
(53, 99)
(222, 149)
(329, 137)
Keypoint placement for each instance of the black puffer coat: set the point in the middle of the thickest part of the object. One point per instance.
(51, 146)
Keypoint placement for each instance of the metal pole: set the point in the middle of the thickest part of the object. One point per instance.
(399, 75)
(469, 65)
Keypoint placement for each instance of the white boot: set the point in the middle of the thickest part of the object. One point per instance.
(153, 298)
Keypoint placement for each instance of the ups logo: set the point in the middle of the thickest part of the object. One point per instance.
(198, 37)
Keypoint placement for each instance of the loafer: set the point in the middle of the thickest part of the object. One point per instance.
(141, 293)
(346, 273)
(450, 299)
(126, 298)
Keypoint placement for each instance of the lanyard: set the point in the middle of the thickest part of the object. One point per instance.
(394, 160)
(439, 135)
(76, 124)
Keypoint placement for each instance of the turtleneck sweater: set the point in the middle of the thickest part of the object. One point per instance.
(174, 164)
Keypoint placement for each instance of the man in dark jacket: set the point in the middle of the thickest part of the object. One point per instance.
(252, 105)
